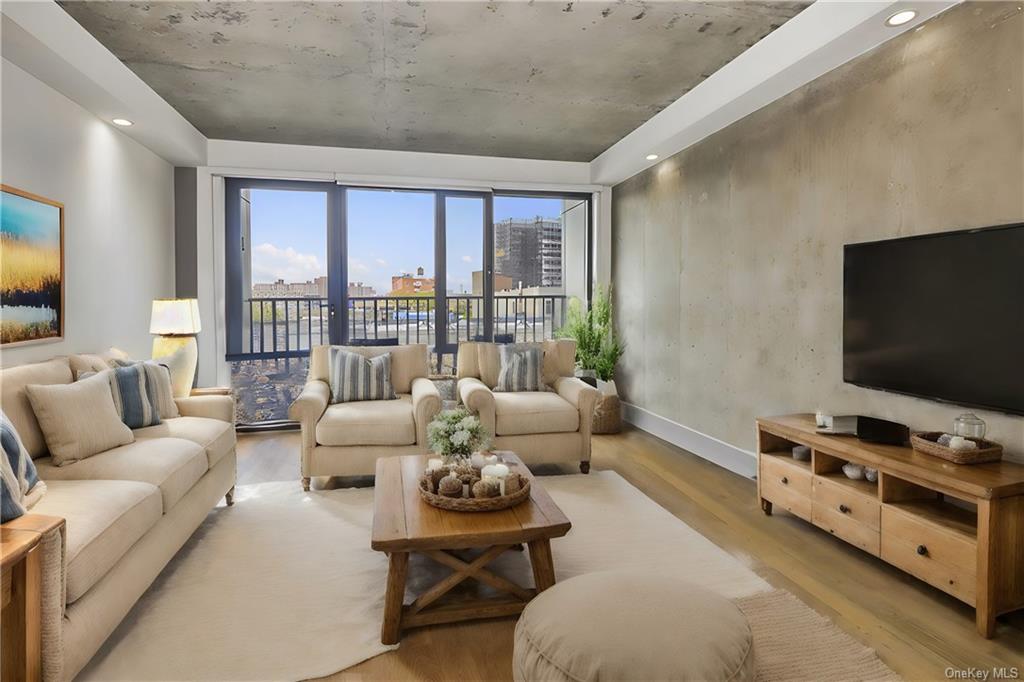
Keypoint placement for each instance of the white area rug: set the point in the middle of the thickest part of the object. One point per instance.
(284, 585)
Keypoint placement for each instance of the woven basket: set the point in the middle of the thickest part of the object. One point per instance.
(987, 451)
(607, 415)
(474, 504)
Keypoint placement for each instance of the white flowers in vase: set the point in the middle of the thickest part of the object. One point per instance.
(455, 435)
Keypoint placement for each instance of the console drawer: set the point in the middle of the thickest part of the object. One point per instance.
(845, 527)
(939, 556)
(850, 503)
(787, 474)
(940, 544)
(955, 581)
(786, 485)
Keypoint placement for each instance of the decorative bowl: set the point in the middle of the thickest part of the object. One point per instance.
(854, 472)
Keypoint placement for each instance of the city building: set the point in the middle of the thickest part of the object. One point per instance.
(407, 284)
(360, 290)
(501, 282)
(316, 288)
(529, 251)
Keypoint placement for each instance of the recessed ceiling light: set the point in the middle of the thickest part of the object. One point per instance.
(123, 122)
(652, 157)
(901, 18)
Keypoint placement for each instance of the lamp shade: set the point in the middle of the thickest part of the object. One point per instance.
(175, 316)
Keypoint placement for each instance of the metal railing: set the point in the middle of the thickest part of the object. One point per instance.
(289, 327)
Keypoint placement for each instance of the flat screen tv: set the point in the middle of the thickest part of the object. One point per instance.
(938, 316)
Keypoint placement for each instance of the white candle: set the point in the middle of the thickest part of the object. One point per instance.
(496, 472)
(434, 463)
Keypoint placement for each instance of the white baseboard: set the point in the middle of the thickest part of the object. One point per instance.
(736, 460)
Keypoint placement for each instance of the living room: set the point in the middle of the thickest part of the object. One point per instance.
(578, 340)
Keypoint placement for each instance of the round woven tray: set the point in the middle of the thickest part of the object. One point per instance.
(474, 504)
(987, 451)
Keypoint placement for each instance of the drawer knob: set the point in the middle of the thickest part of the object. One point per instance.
(922, 550)
(843, 508)
(785, 481)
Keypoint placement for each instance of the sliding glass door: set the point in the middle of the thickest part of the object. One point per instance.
(390, 247)
(278, 244)
(540, 262)
(463, 263)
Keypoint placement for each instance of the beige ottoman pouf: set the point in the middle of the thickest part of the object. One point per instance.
(631, 626)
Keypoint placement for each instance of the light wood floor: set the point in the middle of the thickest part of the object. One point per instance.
(917, 630)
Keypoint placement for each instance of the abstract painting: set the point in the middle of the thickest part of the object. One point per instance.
(31, 268)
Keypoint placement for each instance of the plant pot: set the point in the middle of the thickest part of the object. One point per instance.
(587, 376)
(607, 411)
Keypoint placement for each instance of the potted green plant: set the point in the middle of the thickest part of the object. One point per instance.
(598, 350)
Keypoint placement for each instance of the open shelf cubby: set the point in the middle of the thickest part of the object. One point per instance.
(930, 506)
(787, 455)
(830, 467)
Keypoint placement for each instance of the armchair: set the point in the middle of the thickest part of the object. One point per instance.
(540, 426)
(345, 439)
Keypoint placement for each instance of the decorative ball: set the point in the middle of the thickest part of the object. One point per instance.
(450, 486)
(464, 470)
(483, 489)
(513, 483)
(437, 474)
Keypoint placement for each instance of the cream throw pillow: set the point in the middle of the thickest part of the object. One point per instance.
(78, 420)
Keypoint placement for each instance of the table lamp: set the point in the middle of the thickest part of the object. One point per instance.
(175, 322)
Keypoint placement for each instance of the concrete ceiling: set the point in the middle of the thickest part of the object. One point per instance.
(547, 80)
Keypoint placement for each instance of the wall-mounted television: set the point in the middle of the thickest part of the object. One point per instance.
(938, 316)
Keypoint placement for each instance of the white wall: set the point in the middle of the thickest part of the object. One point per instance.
(118, 215)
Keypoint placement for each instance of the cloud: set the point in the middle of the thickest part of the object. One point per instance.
(356, 266)
(467, 259)
(271, 263)
(381, 262)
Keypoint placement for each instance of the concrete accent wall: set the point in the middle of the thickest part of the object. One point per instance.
(727, 257)
(118, 216)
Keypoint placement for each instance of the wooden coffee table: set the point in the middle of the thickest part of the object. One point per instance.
(403, 523)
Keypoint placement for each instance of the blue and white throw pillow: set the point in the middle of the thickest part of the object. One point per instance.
(356, 377)
(20, 487)
(158, 379)
(521, 368)
(135, 395)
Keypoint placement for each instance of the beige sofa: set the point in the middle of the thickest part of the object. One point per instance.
(541, 427)
(128, 510)
(346, 439)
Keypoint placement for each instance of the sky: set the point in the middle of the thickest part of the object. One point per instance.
(389, 233)
(29, 220)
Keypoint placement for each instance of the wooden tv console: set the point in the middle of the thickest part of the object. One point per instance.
(973, 551)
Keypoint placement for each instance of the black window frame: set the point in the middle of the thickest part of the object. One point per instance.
(337, 256)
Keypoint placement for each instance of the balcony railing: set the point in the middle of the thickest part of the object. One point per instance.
(288, 327)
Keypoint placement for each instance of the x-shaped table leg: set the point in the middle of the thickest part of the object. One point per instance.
(463, 570)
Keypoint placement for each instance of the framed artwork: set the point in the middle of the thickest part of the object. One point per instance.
(31, 268)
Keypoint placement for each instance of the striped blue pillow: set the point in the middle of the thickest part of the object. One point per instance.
(20, 486)
(355, 377)
(136, 396)
(521, 369)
